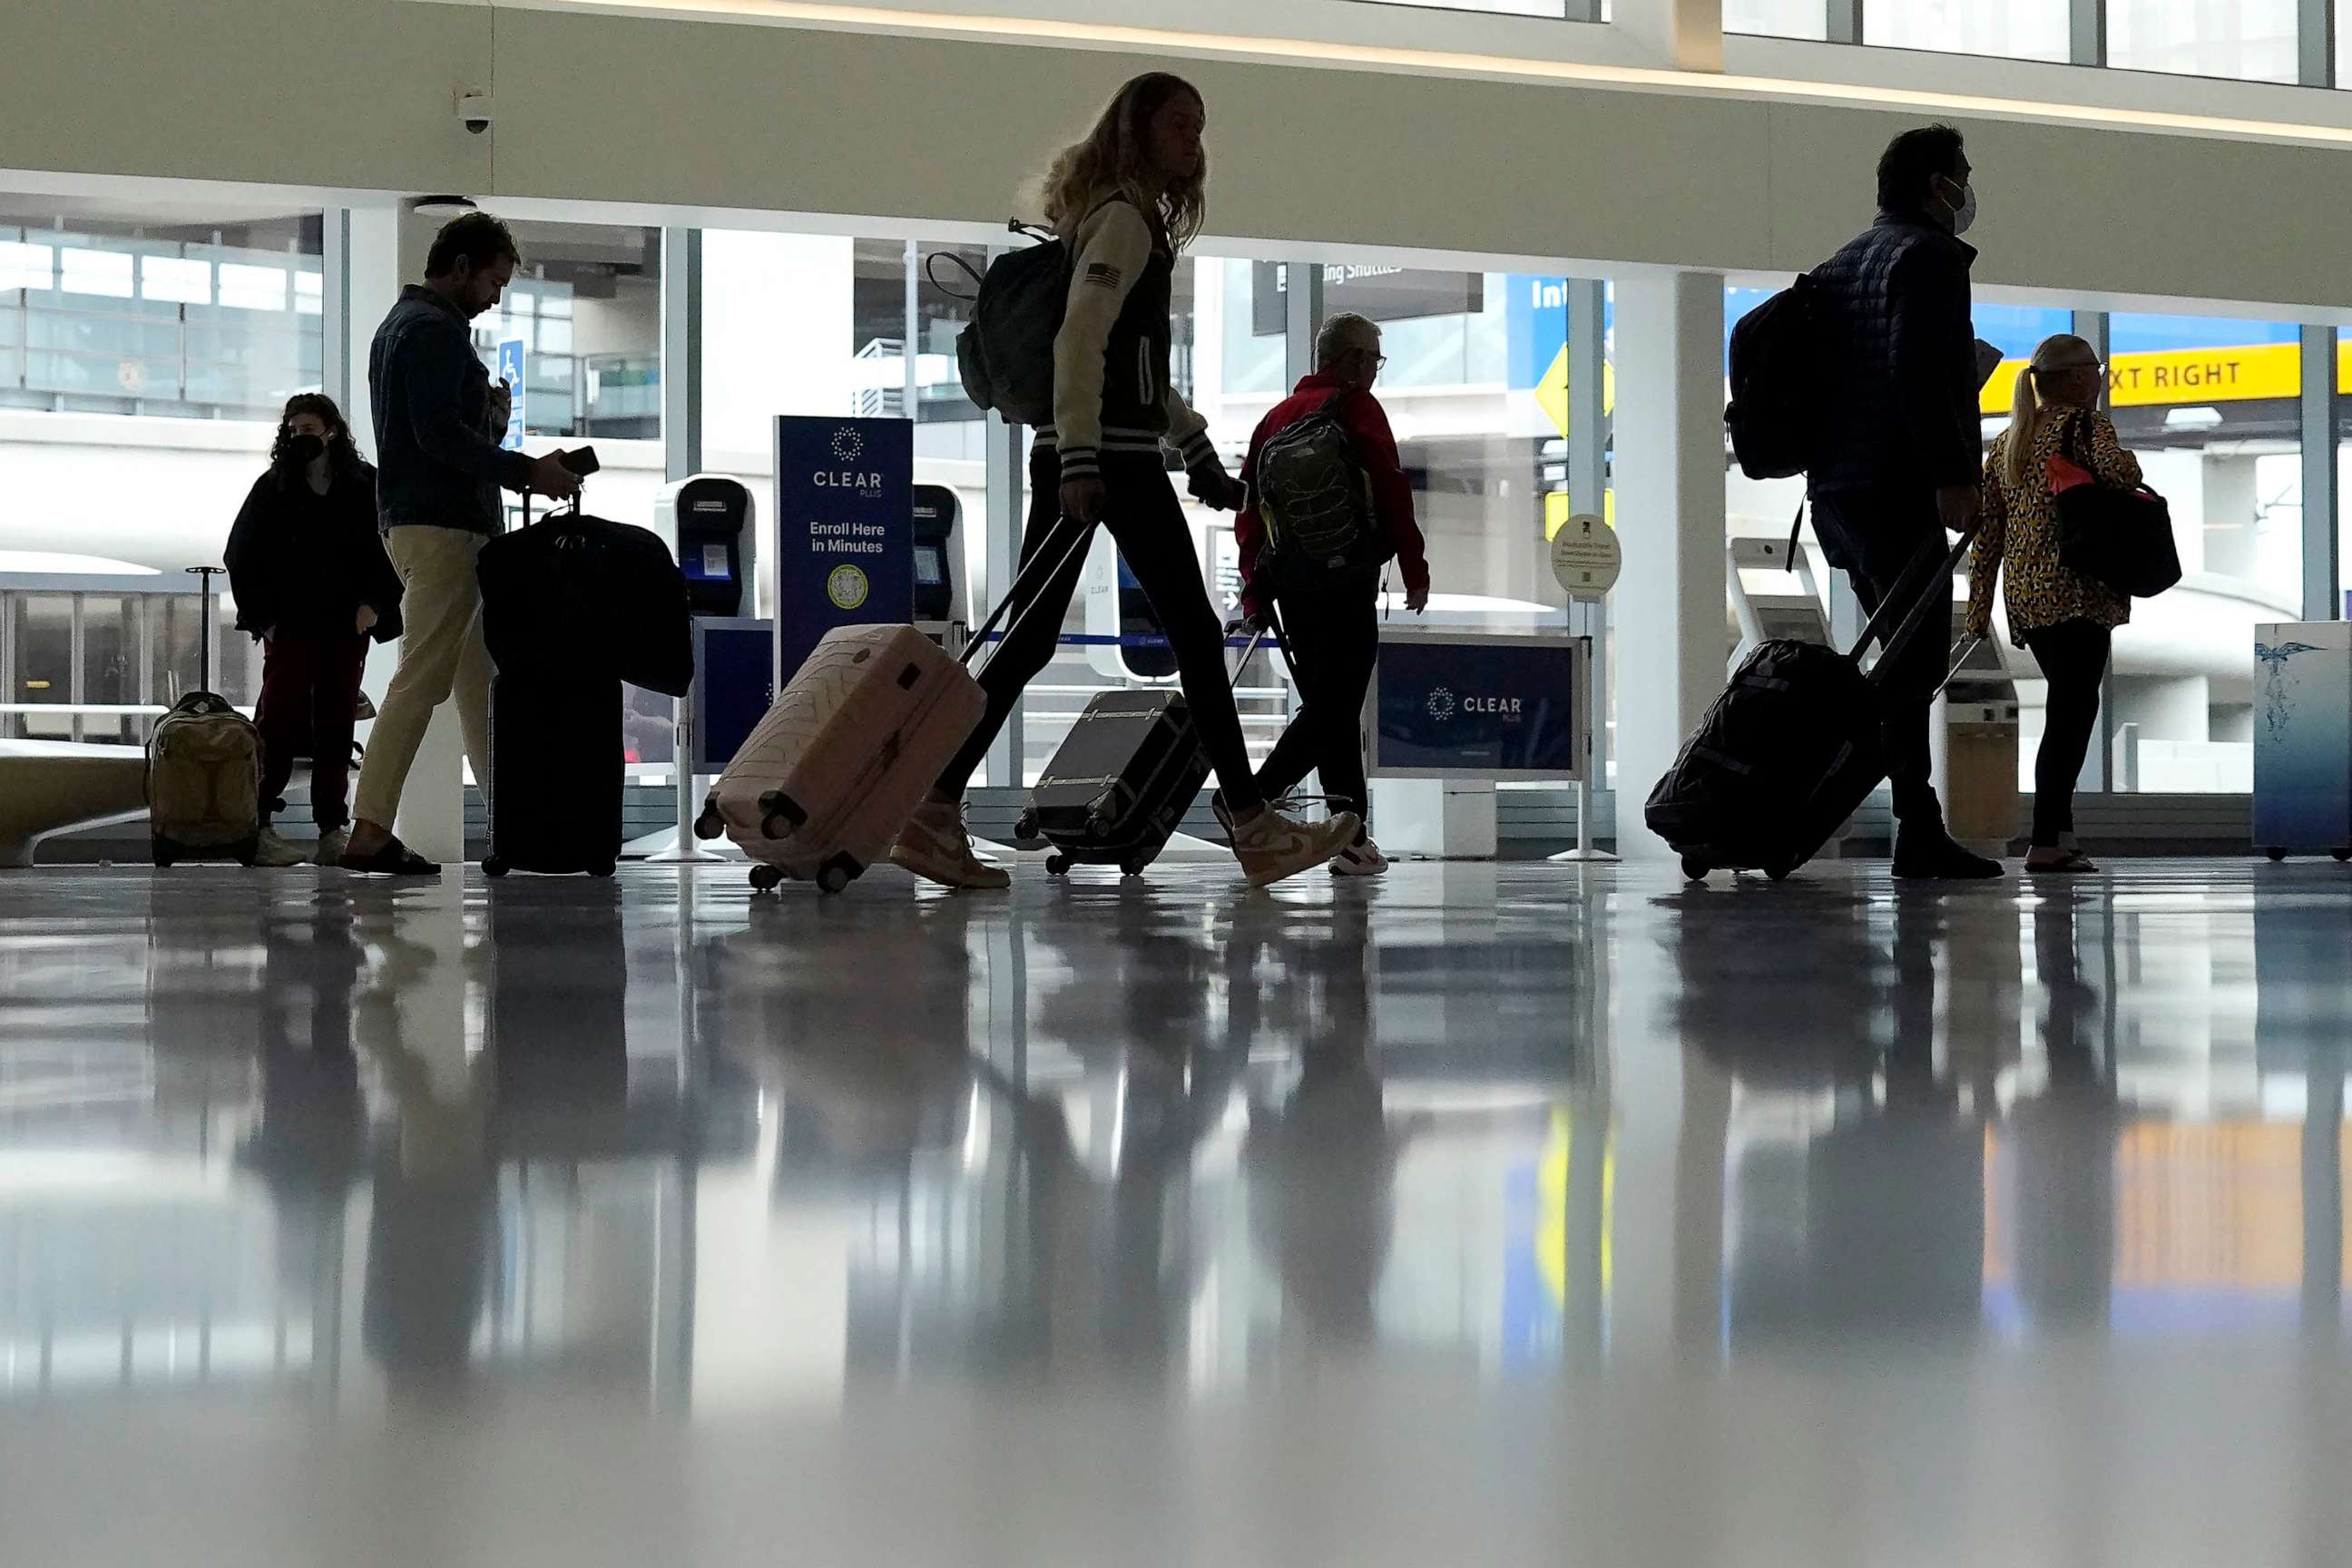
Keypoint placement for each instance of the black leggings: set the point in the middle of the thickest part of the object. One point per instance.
(1335, 637)
(2073, 656)
(1148, 522)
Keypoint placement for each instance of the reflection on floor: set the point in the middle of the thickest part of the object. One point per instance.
(1490, 1213)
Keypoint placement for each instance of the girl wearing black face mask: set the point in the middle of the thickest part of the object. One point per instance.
(312, 582)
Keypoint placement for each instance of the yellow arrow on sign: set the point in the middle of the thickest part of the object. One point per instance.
(1551, 392)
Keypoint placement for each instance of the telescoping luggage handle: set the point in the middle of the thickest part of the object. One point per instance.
(1044, 564)
(205, 575)
(1918, 581)
(581, 460)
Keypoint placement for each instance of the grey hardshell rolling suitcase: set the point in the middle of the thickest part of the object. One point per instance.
(1121, 780)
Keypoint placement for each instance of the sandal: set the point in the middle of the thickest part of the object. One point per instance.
(391, 858)
(2073, 863)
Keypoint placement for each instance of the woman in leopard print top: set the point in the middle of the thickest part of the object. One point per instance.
(2066, 619)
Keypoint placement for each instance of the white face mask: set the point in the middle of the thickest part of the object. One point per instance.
(1964, 216)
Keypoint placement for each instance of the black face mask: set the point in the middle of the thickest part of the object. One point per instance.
(302, 450)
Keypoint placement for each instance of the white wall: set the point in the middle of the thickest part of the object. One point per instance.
(776, 339)
(1737, 175)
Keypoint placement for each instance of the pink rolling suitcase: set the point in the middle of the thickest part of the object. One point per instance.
(824, 784)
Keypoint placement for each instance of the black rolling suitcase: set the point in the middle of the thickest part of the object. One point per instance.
(1121, 780)
(572, 606)
(1792, 747)
(556, 764)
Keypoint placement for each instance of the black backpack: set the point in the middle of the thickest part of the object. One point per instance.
(1775, 376)
(1005, 354)
(1312, 494)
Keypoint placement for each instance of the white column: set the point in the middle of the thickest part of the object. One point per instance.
(1685, 34)
(387, 251)
(1669, 607)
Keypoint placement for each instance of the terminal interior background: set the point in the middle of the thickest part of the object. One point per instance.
(145, 345)
(1855, 1193)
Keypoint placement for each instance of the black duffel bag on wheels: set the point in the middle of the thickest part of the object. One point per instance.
(1792, 746)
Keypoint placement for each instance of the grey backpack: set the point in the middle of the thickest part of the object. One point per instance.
(1312, 491)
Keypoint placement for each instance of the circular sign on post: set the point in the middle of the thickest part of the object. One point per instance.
(1585, 556)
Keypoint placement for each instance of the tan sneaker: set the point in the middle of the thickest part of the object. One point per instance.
(1271, 846)
(332, 844)
(273, 850)
(935, 846)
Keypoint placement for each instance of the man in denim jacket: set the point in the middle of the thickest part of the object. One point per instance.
(439, 469)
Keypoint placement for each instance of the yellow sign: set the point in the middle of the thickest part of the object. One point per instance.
(1557, 511)
(2246, 374)
(1551, 392)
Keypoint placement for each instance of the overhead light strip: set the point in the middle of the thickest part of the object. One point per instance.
(1381, 56)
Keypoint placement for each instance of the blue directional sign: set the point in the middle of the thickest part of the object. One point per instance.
(510, 372)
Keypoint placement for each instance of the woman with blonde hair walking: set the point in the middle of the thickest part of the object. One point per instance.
(1125, 200)
(2066, 619)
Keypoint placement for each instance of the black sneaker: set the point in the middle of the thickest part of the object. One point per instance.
(1931, 855)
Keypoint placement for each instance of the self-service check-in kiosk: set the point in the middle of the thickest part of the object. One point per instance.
(939, 516)
(708, 518)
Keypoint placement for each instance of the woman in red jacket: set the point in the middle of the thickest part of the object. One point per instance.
(1330, 618)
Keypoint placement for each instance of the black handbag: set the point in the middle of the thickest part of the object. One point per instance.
(2113, 535)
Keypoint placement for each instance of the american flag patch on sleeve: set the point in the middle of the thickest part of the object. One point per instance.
(1103, 275)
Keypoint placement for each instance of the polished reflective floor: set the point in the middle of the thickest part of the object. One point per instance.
(1486, 1215)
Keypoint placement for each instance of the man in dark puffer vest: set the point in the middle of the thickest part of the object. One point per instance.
(1899, 455)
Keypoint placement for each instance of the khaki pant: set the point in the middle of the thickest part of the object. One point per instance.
(441, 656)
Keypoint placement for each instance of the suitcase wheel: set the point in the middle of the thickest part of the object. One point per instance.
(1133, 866)
(2275, 855)
(1056, 865)
(164, 853)
(493, 867)
(1779, 870)
(766, 878)
(1024, 827)
(2342, 856)
(708, 825)
(1695, 869)
(775, 808)
(837, 873)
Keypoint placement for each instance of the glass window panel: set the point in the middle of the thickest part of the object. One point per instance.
(26, 266)
(1777, 19)
(2211, 407)
(2018, 29)
(252, 288)
(44, 654)
(1474, 389)
(588, 313)
(309, 293)
(815, 324)
(100, 272)
(110, 663)
(173, 668)
(176, 278)
(2251, 40)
